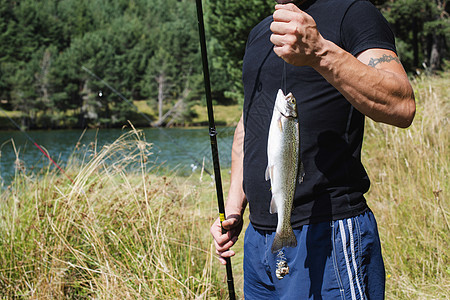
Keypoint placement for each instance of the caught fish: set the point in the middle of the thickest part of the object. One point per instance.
(284, 167)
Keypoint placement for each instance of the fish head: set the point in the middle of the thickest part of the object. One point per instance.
(286, 105)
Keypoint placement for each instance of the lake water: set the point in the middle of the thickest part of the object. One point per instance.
(174, 148)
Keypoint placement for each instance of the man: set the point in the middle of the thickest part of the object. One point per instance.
(341, 66)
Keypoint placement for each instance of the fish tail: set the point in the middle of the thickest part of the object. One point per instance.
(284, 239)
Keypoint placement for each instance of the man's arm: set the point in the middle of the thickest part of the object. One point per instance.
(375, 82)
(236, 201)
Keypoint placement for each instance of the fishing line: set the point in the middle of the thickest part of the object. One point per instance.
(284, 78)
(37, 146)
(144, 116)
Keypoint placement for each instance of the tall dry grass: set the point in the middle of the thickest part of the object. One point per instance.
(409, 169)
(118, 232)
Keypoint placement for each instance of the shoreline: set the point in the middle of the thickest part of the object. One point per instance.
(224, 115)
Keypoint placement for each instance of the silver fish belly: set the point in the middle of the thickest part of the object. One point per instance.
(284, 167)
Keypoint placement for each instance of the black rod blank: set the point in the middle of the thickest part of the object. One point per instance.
(213, 138)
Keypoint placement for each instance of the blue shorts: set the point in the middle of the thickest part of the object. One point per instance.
(333, 260)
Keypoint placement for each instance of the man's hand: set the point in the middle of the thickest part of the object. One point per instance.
(223, 242)
(295, 36)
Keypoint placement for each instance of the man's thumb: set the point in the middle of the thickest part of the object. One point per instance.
(231, 221)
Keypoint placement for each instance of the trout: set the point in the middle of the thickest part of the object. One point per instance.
(284, 167)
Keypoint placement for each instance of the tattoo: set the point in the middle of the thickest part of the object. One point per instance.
(385, 58)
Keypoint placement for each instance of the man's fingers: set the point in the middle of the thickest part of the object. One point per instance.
(232, 221)
(282, 50)
(285, 13)
(228, 253)
(288, 6)
(222, 260)
(223, 255)
(278, 40)
(225, 242)
(283, 16)
(229, 223)
(281, 28)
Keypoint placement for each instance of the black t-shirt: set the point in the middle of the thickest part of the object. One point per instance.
(331, 130)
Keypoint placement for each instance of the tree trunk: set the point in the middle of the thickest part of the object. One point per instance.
(415, 45)
(161, 79)
(84, 102)
(438, 45)
(435, 54)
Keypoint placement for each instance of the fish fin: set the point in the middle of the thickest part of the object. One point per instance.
(269, 171)
(287, 239)
(280, 125)
(301, 172)
(280, 93)
(273, 206)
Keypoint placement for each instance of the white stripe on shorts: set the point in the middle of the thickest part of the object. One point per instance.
(352, 247)
(347, 262)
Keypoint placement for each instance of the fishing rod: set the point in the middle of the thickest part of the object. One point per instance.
(213, 138)
(143, 115)
(37, 146)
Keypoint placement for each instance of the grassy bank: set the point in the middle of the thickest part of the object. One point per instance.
(224, 115)
(120, 231)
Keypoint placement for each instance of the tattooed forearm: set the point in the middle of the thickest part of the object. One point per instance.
(385, 58)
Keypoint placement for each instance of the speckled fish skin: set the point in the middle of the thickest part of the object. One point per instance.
(284, 167)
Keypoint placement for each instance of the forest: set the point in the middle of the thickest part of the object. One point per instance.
(71, 64)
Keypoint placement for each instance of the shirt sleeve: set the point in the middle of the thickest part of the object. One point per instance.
(364, 27)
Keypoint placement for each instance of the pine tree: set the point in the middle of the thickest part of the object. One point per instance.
(422, 28)
(229, 22)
